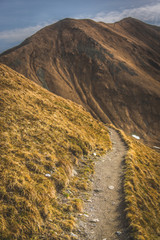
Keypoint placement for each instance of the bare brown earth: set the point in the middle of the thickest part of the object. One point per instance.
(111, 69)
(104, 216)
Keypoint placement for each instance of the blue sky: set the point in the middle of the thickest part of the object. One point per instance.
(19, 19)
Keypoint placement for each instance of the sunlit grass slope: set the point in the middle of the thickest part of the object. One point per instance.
(142, 190)
(42, 140)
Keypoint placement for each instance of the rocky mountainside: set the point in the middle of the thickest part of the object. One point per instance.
(111, 69)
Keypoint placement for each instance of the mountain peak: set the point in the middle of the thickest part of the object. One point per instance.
(111, 69)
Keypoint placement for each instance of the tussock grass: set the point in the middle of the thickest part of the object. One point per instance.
(42, 139)
(142, 189)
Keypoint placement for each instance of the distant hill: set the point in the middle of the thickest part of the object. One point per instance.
(111, 69)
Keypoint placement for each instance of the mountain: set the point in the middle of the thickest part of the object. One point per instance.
(111, 69)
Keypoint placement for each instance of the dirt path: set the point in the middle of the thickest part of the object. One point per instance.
(104, 211)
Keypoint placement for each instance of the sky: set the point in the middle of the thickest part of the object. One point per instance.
(20, 19)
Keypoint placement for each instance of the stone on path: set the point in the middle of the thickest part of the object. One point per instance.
(97, 190)
(94, 220)
(111, 187)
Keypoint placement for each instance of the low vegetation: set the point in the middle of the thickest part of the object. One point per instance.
(142, 189)
(45, 148)
(45, 144)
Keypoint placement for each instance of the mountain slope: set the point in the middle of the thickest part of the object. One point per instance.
(111, 69)
(141, 189)
(46, 167)
(42, 140)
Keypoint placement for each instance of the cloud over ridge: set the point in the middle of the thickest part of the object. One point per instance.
(147, 13)
(19, 34)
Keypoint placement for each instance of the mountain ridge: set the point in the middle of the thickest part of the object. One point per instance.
(111, 69)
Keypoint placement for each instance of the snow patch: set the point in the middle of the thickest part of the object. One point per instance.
(135, 136)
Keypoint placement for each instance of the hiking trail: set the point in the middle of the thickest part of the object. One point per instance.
(103, 217)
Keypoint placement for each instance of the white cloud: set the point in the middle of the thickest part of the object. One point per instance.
(147, 13)
(19, 34)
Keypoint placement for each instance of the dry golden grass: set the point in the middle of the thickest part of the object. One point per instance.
(40, 134)
(142, 189)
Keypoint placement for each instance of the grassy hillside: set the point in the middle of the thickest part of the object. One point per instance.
(45, 148)
(142, 189)
(44, 144)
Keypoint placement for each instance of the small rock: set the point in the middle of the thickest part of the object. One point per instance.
(118, 233)
(97, 190)
(94, 154)
(80, 214)
(50, 220)
(48, 175)
(156, 147)
(85, 215)
(69, 191)
(104, 238)
(89, 200)
(111, 187)
(74, 173)
(74, 235)
(94, 220)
